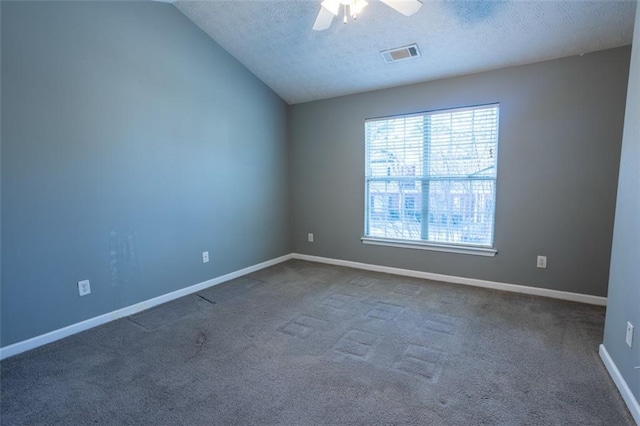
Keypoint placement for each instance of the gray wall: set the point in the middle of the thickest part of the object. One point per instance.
(560, 134)
(623, 302)
(131, 143)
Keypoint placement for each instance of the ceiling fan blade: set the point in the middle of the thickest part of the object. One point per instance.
(406, 7)
(324, 19)
(332, 6)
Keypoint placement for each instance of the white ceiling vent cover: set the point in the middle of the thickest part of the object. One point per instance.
(400, 53)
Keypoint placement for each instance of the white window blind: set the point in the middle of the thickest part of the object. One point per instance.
(431, 177)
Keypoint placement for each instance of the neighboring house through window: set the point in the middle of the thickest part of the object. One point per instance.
(431, 178)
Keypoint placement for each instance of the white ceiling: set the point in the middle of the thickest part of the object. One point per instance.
(274, 39)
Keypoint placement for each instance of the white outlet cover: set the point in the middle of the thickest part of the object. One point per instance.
(629, 337)
(310, 237)
(205, 257)
(542, 262)
(84, 287)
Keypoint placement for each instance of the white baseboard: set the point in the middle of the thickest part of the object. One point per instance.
(628, 397)
(61, 333)
(514, 288)
(54, 335)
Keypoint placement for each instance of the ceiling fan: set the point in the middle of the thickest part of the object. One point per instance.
(331, 8)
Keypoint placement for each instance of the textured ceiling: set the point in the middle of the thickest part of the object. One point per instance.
(275, 41)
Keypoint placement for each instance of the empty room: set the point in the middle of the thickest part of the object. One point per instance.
(308, 212)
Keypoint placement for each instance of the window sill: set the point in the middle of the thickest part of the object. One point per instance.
(419, 245)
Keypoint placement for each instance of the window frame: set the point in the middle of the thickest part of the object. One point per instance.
(459, 248)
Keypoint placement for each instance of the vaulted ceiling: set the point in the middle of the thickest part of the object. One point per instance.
(275, 40)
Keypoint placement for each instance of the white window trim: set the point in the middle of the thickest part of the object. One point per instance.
(424, 245)
(431, 245)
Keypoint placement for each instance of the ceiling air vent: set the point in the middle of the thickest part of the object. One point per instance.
(401, 53)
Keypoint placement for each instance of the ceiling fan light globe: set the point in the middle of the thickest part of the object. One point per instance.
(358, 5)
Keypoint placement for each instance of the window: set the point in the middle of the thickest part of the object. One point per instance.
(431, 178)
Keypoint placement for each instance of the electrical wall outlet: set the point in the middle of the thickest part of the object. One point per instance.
(629, 338)
(205, 257)
(542, 262)
(310, 237)
(84, 287)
